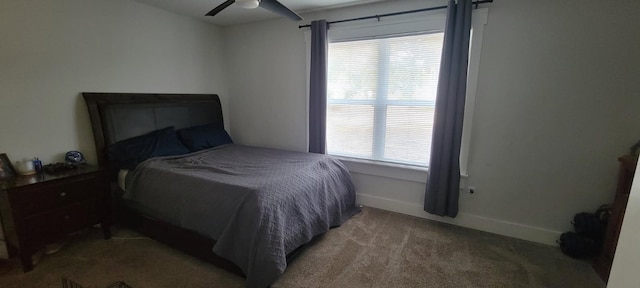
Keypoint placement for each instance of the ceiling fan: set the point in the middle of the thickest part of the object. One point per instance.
(271, 5)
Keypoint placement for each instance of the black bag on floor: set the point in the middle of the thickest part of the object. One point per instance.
(593, 225)
(578, 246)
(589, 224)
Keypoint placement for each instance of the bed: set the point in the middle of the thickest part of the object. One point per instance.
(249, 210)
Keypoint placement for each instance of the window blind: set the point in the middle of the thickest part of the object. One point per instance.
(381, 97)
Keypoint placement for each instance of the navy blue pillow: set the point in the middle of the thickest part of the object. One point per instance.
(128, 153)
(203, 137)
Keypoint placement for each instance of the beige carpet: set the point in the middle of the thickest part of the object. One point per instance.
(375, 248)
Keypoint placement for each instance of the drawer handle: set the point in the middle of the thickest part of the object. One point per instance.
(63, 194)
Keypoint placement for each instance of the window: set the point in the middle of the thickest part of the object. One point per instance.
(381, 97)
(355, 105)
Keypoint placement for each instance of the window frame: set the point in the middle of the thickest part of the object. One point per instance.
(428, 22)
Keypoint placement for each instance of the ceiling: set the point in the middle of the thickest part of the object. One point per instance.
(236, 15)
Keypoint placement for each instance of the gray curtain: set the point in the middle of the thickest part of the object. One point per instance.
(443, 183)
(318, 87)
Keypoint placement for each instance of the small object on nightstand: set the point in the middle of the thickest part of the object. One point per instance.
(59, 167)
(6, 169)
(37, 164)
(25, 167)
(74, 157)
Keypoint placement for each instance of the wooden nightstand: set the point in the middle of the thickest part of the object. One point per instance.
(43, 208)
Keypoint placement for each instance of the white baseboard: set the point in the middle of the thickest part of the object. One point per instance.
(515, 230)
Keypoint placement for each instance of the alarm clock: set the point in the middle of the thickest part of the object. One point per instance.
(74, 157)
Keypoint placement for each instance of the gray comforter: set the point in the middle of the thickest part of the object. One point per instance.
(259, 204)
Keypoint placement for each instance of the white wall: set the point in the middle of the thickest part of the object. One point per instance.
(266, 66)
(556, 104)
(52, 50)
(624, 271)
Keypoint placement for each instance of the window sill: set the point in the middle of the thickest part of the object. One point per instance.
(389, 170)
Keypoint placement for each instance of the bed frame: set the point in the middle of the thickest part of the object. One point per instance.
(118, 116)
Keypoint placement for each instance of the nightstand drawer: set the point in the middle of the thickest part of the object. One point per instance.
(42, 198)
(64, 220)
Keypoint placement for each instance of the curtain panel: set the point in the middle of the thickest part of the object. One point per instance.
(318, 87)
(443, 182)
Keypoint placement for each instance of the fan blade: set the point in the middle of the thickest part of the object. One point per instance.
(276, 7)
(220, 7)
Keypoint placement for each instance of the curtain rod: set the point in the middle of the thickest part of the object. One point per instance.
(397, 13)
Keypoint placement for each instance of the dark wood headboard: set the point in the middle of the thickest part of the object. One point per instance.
(118, 116)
